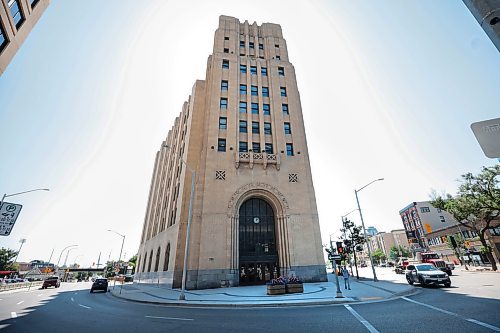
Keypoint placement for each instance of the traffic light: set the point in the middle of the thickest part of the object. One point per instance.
(340, 248)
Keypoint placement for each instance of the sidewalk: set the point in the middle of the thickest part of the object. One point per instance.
(251, 296)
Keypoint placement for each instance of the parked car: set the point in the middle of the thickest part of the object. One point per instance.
(426, 274)
(51, 281)
(99, 284)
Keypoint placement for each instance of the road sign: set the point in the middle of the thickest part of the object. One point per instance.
(8, 216)
(488, 135)
(334, 257)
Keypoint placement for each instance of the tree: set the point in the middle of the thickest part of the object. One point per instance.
(378, 255)
(476, 205)
(353, 240)
(133, 262)
(6, 259)
(399, 251)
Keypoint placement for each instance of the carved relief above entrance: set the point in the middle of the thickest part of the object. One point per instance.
(254, 189)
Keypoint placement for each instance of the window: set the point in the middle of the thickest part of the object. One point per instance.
(254, 91)
(253, 70)
(281, 71)
(225, 64)
(255, 108)
(242, 43)
(256, 147)
(243, 147)
(222, 123)
(495, 231)
(243, 68)
(226, 50)
(261, 46)
(269, 148)
(224, 85)
(265, 91)
(223, 103)
(226, 38)
(167, 258)
(251, 45)
(34, 3)
(288, 129)
(243, 107)
(278, 57)
(17, 14)
(243, 126)
(243, 89)
(221, 145)
(425, 209)
(284, 108)
(441, 218)
(277, 45)
(3, 39)
(255, 127)
(263, 71)
(289, 149)
(267, 128)
(283, 91)
(267, 109)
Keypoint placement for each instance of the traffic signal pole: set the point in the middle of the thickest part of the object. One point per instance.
(334, 264)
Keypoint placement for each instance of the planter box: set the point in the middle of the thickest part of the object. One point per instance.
(276, 289)
(294, 288)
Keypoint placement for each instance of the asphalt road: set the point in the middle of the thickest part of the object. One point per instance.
(72, 308)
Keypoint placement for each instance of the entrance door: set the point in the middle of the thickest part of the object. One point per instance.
(257, 243)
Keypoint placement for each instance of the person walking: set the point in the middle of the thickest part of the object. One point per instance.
(345, 274)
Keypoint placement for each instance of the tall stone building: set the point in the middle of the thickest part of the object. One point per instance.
(241, 134)
(17, 19)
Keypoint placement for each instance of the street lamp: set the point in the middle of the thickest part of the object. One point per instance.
(67, 254)
(364, 230)
(11, 195)
(58, 260)
(182, 296)
(22, 241)
(120, 258)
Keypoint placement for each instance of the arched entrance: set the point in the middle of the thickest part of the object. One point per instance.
(258, 255)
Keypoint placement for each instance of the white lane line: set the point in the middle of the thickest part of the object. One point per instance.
(72, 299)
(494, 328)
(21, 302)
(13, 315)
(84, 306)
(169, 318)
(361, 319)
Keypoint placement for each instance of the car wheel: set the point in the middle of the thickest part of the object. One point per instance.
(410, 281)
(422, 282)
(447, 285)
(450, 273)
(91, 291)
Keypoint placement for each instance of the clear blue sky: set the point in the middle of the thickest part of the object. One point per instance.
(388, 89)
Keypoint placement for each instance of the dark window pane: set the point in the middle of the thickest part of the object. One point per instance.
(288, 129)
(243, 89)
(269, 148)
(243, 147)
(222, 123)
(243, 68)
(256, 147)
(221, 145)
(267, 109)
(289, 149)
(265, 91)
(243, 126)
(253, 70)
(224, 85)
(223, 103)
(255, 127)
(225, 64)
(255, 91)
(243, 107)
(17, 14)
(255, 108)
(267, 128)
(284, 107)
(263, 71)
(283, 91)
(281, 71)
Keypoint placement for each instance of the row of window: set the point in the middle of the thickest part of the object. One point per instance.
(17, 16)
(243, 106)
(255, 126)
(252, 44)
(465, 234)
(243, 147)
(253, 69)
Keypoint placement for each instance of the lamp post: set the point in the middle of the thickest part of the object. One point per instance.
(58, 260)
(182, 296)
(22, 241)
(11, 195)
(364, 230)
(120, 258)
(67, 254)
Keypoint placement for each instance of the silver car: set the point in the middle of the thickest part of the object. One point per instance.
(426, 274)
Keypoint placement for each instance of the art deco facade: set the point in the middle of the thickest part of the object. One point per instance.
(254, 210)
(17, 19)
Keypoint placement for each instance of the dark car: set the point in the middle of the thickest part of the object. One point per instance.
(51, 281)
(426, 274)
(99, 284)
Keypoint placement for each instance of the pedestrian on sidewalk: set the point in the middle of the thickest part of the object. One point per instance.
(345, 274)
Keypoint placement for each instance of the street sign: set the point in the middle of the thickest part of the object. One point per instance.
(8, 216)
(488, 135)
(334, 257)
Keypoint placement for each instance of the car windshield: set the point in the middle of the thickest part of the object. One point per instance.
(426, 268)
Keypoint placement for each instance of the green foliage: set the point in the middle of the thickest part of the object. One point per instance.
(378, 255)
(7, 259)
(399, 251)
(476, 204)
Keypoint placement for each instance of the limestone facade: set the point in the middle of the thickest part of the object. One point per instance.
(17, 19)
(241, 134)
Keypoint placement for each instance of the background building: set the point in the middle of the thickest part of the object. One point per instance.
(242, 132)
(383, 241)
(371, 231)
(17, 19)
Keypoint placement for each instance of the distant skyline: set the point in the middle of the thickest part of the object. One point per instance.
(388, 90)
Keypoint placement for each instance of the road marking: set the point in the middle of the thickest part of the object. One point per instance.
(84, 306)
(169, 318)
(21, 302)
(72, 300)
(361, 319)
(494, 328)
(13, 315)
